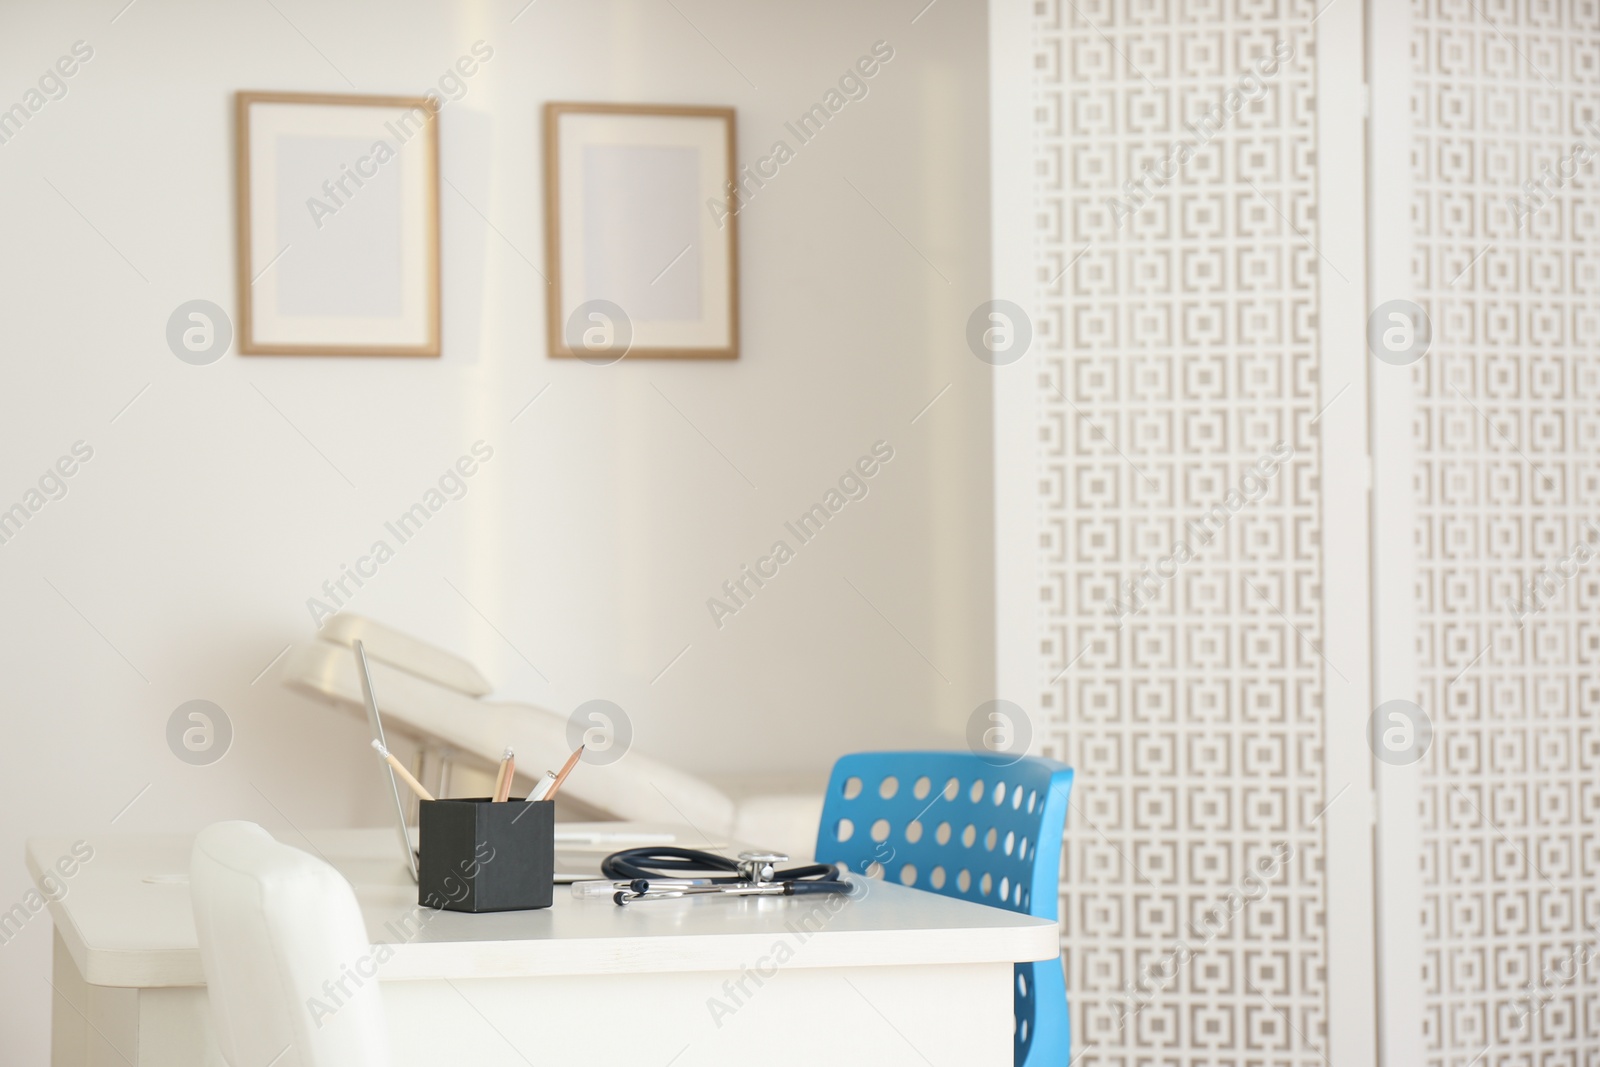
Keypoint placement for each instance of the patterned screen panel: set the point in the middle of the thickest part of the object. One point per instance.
(1179, 567)
(1507, 265)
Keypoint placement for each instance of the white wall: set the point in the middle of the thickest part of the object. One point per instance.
(188, 545)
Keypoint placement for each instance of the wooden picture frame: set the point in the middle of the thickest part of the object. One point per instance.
(636, 195)
(360, 276)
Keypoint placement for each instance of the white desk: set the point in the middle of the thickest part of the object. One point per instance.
(896, 976)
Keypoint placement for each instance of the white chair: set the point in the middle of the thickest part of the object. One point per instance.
(284, 948)
(433, 696)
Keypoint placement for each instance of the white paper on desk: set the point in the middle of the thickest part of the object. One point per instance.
(604, 837)
(619, 839)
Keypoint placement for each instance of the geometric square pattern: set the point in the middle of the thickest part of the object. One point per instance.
(1507, 433)
(1178, 466)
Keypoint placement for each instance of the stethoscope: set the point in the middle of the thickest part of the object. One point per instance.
(665, 873)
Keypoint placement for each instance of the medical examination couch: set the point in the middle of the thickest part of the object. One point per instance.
(434, 698)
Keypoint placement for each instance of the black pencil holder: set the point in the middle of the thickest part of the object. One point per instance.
(475, 855)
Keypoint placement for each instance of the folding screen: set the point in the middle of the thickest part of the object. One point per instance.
(1177, 405)
(1196, 602)
(1228, 533)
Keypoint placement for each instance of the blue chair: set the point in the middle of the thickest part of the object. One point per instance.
(966, 826)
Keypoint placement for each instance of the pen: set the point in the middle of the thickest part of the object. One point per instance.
(538, 792)
(546, 789)
(400, 769)
(582, 890)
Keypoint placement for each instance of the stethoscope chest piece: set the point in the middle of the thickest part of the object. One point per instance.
(760, 866)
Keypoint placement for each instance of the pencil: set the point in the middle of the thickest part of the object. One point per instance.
(400, 769)
(502, 782)
(566, 769)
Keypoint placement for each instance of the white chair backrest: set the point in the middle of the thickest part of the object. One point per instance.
(286, 957)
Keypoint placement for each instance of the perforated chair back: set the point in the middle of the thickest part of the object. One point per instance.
(965, 826)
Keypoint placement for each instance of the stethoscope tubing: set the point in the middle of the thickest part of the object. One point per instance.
(659, 873)
(670, 861)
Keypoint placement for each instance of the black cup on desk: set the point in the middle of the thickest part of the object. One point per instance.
(476, 855)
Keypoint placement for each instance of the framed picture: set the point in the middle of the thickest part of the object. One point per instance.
(338, 225)
(641, 232)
